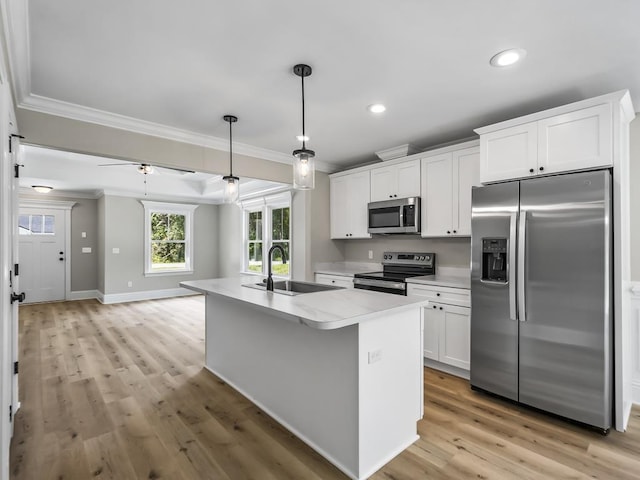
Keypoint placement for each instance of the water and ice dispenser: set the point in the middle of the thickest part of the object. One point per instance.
(494, 260)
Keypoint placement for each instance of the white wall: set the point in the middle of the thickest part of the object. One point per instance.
(634, 196)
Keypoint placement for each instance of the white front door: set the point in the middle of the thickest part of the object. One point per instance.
(41, 235)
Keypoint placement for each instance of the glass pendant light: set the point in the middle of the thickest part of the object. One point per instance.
(304, 171)
(231, 188)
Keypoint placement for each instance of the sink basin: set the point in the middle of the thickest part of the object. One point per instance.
(293, 287)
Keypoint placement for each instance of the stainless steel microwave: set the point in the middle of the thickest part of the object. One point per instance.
(400, 215)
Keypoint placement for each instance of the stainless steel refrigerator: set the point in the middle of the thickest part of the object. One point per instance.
(541, 294)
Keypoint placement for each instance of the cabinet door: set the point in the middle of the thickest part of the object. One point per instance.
(466, 165)
(338, 209)
(454, 337)
(432, 319)
(437, 199)
(509, 153)
(358, 200)
(383, 183)
(576, 140)
(334, 280)
(408, 179)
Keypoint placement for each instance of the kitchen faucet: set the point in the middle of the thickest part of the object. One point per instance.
(284, 260)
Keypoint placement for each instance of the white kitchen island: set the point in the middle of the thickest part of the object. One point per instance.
(341, 369)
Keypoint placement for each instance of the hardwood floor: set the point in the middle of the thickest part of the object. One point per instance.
(119, 392)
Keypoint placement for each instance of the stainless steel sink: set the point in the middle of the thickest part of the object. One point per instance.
(293, 287)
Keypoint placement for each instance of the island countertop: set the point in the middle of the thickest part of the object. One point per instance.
(325, 310)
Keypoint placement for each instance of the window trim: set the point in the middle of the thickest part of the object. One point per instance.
(172, 208)
(266, 205)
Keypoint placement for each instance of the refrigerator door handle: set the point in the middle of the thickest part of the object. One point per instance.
(511, 266)
(522, 235)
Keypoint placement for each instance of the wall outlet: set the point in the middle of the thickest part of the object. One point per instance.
(375, 356)
(115, 250)
(129, 283)
(84, 235)
(86, 249)
(370, 254)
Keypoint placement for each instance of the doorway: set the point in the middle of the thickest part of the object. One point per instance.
(43, 250)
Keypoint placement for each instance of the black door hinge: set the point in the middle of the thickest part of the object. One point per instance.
(15, 368)
(16, 171)
(10, 413)
(11, 138)
(16, 269)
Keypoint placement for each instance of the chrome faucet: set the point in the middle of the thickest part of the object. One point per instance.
(284, 260)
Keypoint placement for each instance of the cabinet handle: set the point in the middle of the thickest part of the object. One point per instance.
(333, 281)
(541, 169)
(448, 231)
(437, 294)
(435, 306)
(440, 308)
(396, 196)
(531, 170)
(390, 196)
(454, 231)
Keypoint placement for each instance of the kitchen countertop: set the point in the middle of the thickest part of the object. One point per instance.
(326, 310)
(346, 269)
(442, 280)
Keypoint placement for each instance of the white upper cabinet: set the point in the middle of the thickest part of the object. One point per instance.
(447, 179)
(509, 153)
(349, 196)
(575, 140)
(400, 180)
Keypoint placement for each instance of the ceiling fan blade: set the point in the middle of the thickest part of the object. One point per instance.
(184, 170)
(116, 164)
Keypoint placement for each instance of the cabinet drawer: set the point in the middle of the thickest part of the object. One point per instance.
(335, 280)
(446, 295)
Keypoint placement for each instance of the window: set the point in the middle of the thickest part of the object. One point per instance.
(36, 225)
(267, 223)
(168, 238)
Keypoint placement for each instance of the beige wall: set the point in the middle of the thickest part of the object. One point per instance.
(82, 137)
(229, 240)
(634, 197)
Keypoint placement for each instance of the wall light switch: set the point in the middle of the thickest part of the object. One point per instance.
(370, 254)
(115, 250)
(129, 283)
(83, 234)
(86, 249)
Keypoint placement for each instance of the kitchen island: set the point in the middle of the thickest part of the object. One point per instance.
(341, 369)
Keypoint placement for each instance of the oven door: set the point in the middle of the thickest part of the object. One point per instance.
(385, 286)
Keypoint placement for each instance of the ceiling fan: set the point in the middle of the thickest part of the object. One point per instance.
(147, 168)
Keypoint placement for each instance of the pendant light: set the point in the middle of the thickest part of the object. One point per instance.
(304, 171)
(231, 188)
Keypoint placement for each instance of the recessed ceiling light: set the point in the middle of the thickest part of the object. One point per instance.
(302, 138)
(508, 57)
(42, 188)
(376, 108)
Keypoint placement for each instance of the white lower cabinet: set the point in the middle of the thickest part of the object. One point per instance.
(335, 280)
(446, 324)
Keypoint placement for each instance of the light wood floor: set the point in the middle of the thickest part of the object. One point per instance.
(118, 392)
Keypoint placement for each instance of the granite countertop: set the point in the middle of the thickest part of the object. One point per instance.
(326, 310)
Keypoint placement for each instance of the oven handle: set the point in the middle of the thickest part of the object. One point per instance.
(367, 282)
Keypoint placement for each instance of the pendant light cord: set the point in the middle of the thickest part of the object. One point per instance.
(230, 151)
(303, 130)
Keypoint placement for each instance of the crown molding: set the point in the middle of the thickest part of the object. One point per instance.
(81, 113)
(92, 194)
(15, 14)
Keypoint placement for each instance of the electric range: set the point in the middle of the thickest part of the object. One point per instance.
(396, 268)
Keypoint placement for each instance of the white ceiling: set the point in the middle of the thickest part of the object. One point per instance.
(183, 65)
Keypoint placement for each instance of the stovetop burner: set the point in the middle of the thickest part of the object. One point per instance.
(396, 268)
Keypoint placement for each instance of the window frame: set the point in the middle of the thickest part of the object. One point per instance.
(173, 209)
(266, 205)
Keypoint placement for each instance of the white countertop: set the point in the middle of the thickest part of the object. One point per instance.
(322, 310)
(346, 269)
(453, 281)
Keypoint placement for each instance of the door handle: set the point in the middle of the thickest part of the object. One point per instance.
(511, 265)
(17, 297)
(522, 244)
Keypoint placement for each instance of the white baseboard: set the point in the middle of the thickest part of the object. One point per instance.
(634, 344)
(635, 393)
(443, 367)
(83, 295)
(144, 295)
